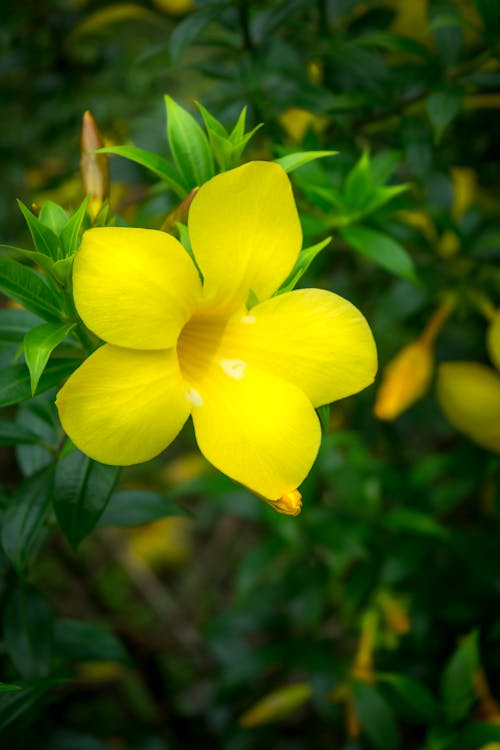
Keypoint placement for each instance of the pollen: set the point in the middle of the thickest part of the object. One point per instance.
(194, 397)
(235, 368)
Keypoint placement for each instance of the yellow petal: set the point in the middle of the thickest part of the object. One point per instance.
(134, 287)
(494, 340)
(469, 394)
(245, 232)
(258, 429)
(312, 338)
(123, 406)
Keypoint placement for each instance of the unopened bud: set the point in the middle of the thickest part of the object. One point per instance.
(277, 705)
(405, 380)
(94, 167)
(469, 395)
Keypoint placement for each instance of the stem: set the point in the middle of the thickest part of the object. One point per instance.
(245, 25)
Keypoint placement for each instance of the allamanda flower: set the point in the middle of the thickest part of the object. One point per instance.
(179, 346)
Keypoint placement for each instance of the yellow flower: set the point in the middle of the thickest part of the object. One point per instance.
(469, 395)
(406, 379)
(250, 378)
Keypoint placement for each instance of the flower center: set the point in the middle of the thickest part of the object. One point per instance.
(198, 347)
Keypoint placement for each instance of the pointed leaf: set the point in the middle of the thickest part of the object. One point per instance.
(28, 628)
(156, 164)
(53, 216)
(442, 106)
(27, 287)
(44, 239)
(190, 28)
(6, 688)
(85, 641)
(39, 343)
(189, 145)
(14, 324)
(290, 162)
(457, 686)
(82, 488)
(70, 233)
(376, 717)
(133, 507)
(24, 518)
(382, 249)
(304, 260)
(15, 381)
(14, 434)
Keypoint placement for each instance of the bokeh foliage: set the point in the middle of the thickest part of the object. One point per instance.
(192, 615)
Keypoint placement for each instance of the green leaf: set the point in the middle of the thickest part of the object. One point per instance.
(375, 716)
(187, 30)
(70, 234)
(53, 216)
(290, 162)
(475, 736)
(359, 186)
(382, 249)
(133, 507)
(237, 133)
(211, 123)
(39, 343)
(442, 106)
(24, 518)
(414, 696)
(457, 685)
(27, 287)
(39, 259)
(85, 641)
(14, 434)
(14, 324)
(6, 688)
(156, 164)
(414, 522)
(489, 10)
(82, 488)
(44, 239)
(15, 381)
(28, 632)
(22, 706)
(304, 260)
(189, 145)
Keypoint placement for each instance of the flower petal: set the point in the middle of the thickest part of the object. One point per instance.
(123, 406)
(245, 232)
(258, 429)
(310, 337)
(134, 287)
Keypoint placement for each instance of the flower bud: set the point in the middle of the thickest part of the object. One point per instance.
(469, 395)
(277, 705)
(405, 380)
(94, 167)
(407, 377)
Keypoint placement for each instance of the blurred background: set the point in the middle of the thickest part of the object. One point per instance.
(207, 620)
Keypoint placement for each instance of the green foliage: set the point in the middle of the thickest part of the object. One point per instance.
(188, 604)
